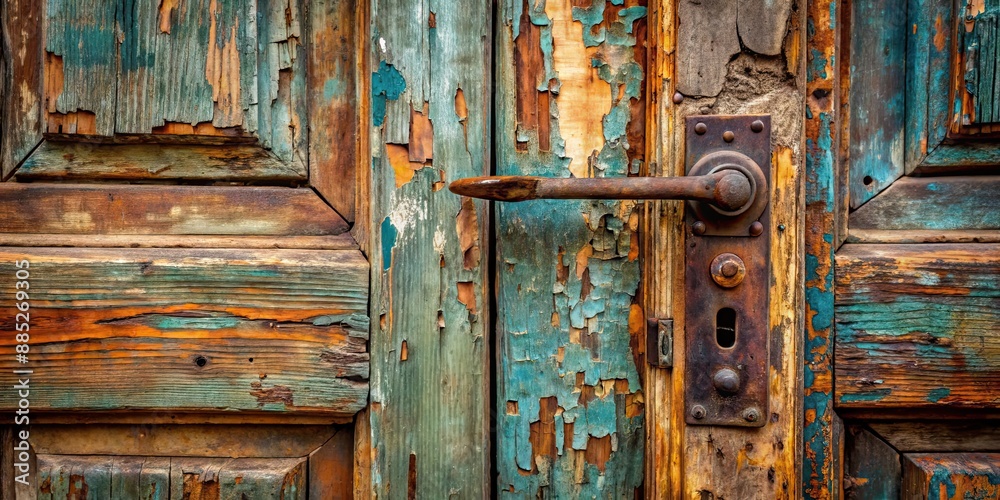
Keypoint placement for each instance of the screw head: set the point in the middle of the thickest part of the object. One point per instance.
(757, 126)
(781, 227)
(728, 136)
(698, 227)
(700, 128)
(726, 381)
(728, 270)
(698, 412)
(678, 98)
(751, 415)
(756, 229)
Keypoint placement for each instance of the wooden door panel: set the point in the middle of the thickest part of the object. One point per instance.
(951, 476)
(916, 326)
(180, 329)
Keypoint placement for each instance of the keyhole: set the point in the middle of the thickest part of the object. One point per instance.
(725, 327)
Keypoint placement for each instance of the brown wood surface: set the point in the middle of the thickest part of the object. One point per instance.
(973, 435)
(872, 468)
(243, 478)
(338, 242)
(195, 330)
(116, 210)
(331, 468)
(917, 326)
(951, 476)
(21, 86)
(86, 161)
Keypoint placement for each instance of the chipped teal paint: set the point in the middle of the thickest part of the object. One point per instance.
(928, 81)
(867, 397)
(938, 394)
(539, 313)
(389, 234)
(167, 322)
(942, 477)
(387, 85)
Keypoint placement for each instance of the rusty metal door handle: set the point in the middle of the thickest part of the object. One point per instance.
(729, 189)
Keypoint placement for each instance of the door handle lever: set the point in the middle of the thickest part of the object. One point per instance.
(729, 189)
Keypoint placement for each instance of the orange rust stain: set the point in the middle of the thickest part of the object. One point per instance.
(467, 226)
(421, 147)
(532, 107)
(543, 431)
(583, 99)
(404, 351)
(399, 159)
(467, 295)
(203, 128)
(166, 6)
(222, 70)
(939, 34)
(78, 486)
(79, 122)
(197, 487)
(277, 394)
(598, 451)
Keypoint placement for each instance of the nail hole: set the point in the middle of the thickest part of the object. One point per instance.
(725, 327)
(867, 180)
(250, 360)
(201, 361)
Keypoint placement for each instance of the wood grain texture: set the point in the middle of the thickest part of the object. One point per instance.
(940, 436)
(916, 326)
(331, 468)
(189, 440)
(338, 242)
(929, 69)
(61, 161)
(958, 203)
(569, 402)
(872, 467)
(334, 50)
(968, 156)
(429, 412)
(21, 87)
(206, 330)
(877, 97)
(982, 77)
(249, 478)
(108, 209)
(824, 212)
(707, 38)
(951, 476)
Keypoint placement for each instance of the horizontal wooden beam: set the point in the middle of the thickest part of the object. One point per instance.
(274, 331)
(917, 326)
(959, 203)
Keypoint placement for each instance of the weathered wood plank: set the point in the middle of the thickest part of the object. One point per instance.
(21, 88)
(60, 161)
(338, 242)
(945, 435)
(963, 157)
(917, 326)
(107, 209)
(207, 330)
(71, 478)
(824, 211)
(929, 61)
(569, 396)
(706, 40)
(982, 72)
(335, 45)
(877, 97)
(244, 478)
(140, 478)
(430, 350)
(959, 203)
(872, 468)
(189, 440)
(331, 468)
(951, 476)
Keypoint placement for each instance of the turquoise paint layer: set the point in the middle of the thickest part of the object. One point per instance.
(389, 234)
(387, 85)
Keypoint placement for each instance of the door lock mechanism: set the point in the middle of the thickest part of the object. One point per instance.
(727, 276)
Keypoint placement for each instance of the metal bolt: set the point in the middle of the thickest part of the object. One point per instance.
(698, 412)
(757, 126)
(728, 136)
(699, 227)
(700, 128)
(751, 415)
(726, 381)
(781, 227)
(756, 229)
(678, 98)
(728, 270)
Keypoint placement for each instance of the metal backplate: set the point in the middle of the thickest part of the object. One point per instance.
(726, 318)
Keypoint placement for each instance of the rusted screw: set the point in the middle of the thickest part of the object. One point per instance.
(726, 381)
(698, 227)
(678, 98)
(751, 415)
(756, 229)
(757, 126)
(728, 270)
(698, 412)
(700, 128)
(728, 136)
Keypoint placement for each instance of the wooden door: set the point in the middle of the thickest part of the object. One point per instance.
(184, 307)
(903, 348)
